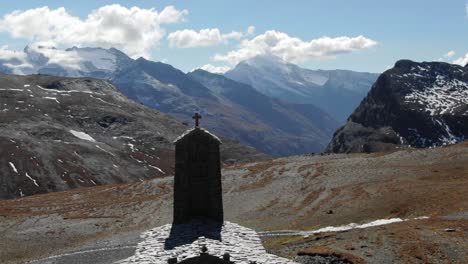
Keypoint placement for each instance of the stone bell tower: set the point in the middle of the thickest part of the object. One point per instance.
(197, 181)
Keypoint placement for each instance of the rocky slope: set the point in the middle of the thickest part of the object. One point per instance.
(264, 122)
(303, 193)
(59, 133)
(167, 89)
(338, 92)
(413, 104)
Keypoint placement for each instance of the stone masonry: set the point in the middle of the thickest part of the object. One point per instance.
(197, 180)
(162, 243)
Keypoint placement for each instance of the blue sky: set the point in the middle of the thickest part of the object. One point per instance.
(362, 35)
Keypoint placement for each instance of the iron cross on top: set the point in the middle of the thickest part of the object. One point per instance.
(197, 118)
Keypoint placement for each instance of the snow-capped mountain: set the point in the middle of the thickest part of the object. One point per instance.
(413, 104)
(72, 62)
(338, 92)
(303, 128)
(264, 122)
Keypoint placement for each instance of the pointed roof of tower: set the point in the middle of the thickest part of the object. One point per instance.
(197, 130)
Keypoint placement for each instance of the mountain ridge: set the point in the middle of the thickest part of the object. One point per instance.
(338, 92)
(165, 88)
(305, 125)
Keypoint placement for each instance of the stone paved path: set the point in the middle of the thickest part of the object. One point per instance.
(185, 241)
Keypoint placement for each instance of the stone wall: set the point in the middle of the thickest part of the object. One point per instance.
(197, 184)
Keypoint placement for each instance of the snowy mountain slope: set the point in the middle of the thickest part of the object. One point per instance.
(338, 92)
(416, 104)
(72, 62)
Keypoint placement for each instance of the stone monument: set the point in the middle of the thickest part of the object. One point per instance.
(197, 180)
(197, 198)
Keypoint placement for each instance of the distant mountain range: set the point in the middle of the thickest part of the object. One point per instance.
(273, 127)
(412, 104)
(276, 125)
(269, 124)
(337, 92)
(278, 107)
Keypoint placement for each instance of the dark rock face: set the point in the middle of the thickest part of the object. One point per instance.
(413, 104)
(58, 133)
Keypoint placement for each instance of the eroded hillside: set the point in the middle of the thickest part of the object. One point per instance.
(59, 133)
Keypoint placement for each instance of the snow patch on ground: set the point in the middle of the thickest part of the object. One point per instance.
(338, 228)
(52, 98)
(32, 179)
(154, 167)
(132, 147)
(11, 89)
(101, 100)
(82, 135)
(108, 152)
(67, 92)
(449, 137)
(12, 165)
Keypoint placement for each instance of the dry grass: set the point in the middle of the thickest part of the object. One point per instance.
(288, 193)
(325, 251)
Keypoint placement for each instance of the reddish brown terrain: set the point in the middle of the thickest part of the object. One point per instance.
(294, 193)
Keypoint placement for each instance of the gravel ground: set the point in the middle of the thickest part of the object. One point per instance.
(299, 193)
(318, 259)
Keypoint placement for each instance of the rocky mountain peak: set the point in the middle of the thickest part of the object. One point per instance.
(417, 104)
(264, 60)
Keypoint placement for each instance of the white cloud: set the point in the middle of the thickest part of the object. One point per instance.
(68, 59)
(170, 15)
(450, 54)
(37, 55)
(6, 54)
(447, 56)
(250, 30)
(293, 49)
(189, 38)
(20, 68)
(462, 61)
(134, 30)
(214, 69)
